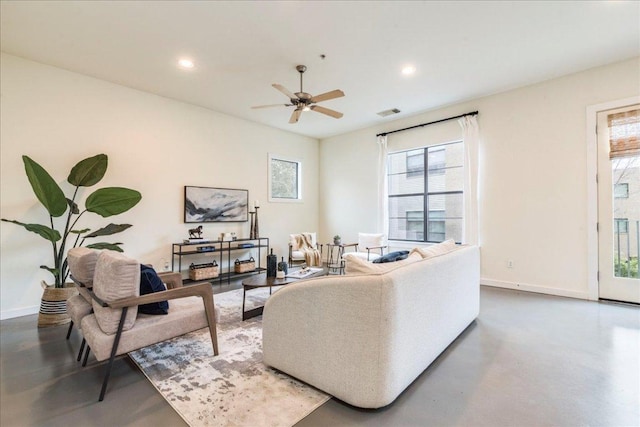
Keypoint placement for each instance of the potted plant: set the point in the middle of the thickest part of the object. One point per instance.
(336, 239)
(105, 202)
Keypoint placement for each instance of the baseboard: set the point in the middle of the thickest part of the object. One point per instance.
(534, 288)
(19, 312)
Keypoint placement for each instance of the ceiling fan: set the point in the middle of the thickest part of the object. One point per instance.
(304, 101)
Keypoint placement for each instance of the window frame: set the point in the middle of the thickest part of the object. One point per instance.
(425, 194)
(616, 193)
(289, 159)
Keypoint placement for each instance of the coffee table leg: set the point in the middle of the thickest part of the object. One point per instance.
(244, 296)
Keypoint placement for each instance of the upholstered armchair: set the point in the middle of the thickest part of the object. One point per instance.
(297, 252)
(115, 327)
(82, 264)
(369, 247)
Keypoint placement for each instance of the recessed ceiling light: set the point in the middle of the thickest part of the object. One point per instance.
(408, 70)
(186, 63)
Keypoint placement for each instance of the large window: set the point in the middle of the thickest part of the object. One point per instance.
(285, 179)
(427, 180)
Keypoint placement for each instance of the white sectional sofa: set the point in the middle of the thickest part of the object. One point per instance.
(364, 338)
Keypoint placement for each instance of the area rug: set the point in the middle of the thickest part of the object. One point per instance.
(234, 388)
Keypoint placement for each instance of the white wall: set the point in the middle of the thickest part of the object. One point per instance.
(155, 145)
(533, 183)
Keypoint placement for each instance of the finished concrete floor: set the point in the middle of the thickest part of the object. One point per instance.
(528, 360)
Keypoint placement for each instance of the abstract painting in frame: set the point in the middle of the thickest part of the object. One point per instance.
(206, 204)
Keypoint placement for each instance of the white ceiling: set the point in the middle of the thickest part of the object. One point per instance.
(462, 50)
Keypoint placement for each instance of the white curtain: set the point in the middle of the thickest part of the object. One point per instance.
(383, 192)
(471, 138)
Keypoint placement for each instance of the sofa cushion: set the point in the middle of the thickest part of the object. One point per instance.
(116, 277)
(391, 257)
(357, 265)
(437, 249)
(82, 264)
(150, 282)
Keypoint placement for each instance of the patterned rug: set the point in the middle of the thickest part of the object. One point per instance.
(234, 388)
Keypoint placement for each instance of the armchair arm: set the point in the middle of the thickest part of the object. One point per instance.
(382, 248)
(171, 279)
(202, 290)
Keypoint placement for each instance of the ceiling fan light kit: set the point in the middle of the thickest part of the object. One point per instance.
(304, 101)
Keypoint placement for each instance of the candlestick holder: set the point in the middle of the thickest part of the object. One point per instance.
(252, 230)
(256, 228)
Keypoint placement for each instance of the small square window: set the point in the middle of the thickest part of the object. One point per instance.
(285, 179)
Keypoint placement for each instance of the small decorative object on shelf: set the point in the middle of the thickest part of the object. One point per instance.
(246, 245)
(256, 229)
(336, 239)
(272, 264)
(206, 248)
(227, 237)
(195, 233)
(245, 265)
(283, 266)
(252, 231)
(203, 271)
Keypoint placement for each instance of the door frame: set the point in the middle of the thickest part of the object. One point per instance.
(592, 188)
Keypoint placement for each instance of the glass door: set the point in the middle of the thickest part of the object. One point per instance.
(619, 204)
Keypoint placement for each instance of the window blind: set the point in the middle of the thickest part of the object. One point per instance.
(624, 134)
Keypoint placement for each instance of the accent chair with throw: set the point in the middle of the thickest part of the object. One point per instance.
(304, 248)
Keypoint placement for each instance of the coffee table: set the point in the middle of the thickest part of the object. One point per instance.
(262, 281)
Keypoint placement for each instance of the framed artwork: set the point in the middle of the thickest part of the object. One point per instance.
(206, 204)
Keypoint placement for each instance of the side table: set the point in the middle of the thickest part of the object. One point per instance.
(335, 263)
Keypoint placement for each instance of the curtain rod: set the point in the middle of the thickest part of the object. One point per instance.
(472, 113)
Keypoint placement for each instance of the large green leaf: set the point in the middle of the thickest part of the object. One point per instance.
(105, 245)
(112, 201)
(88, 171)
(109, 230)
(42, 230)
(45, 188)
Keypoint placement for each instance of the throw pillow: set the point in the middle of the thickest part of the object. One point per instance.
(438, 249)
(356, 265)
(150, 283)
(392, 257)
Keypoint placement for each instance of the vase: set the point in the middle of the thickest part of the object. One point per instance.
(53, 305)
(272, 265)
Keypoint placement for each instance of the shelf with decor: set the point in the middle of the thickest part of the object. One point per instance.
(219, 255)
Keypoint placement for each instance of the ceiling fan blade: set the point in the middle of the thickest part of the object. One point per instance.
(329, 95)
(326, 111)
(272, 105)
(284, 90)
(295, 115)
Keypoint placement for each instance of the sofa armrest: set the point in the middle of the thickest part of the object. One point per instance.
(311, 328)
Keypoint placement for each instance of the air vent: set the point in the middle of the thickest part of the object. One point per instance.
(386, 113)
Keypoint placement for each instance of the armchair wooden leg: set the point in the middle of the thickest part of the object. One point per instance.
(86, 356)
(114, 350)
(70, 328)
(209, 309)
(81, 349)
